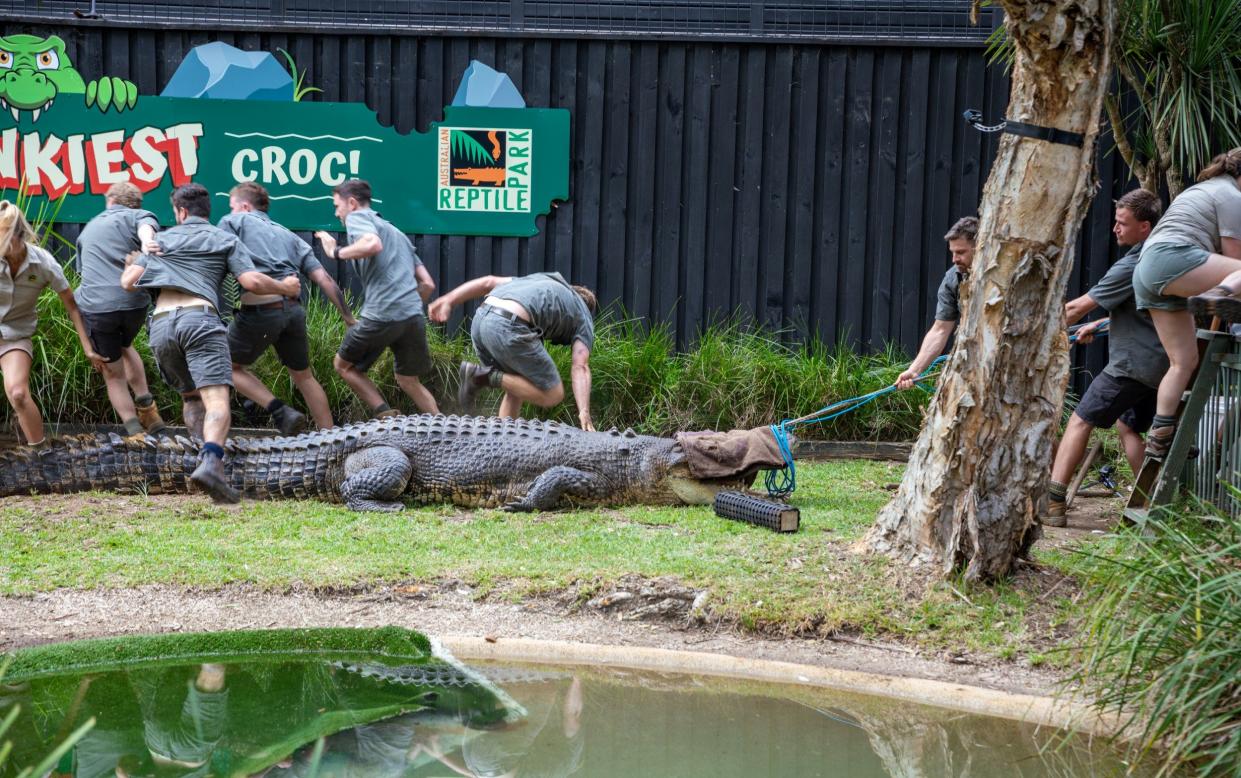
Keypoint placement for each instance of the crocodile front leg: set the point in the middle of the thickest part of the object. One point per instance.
(375, 478)
(550, 489)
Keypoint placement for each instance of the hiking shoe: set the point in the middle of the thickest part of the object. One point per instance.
(289, 421)
(149, 418)
(1054, 515)
(1220, 301)
(388, 414)
(474, 378)
(211, 478)
(1159, 440)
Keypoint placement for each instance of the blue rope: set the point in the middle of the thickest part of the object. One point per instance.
(782, 482)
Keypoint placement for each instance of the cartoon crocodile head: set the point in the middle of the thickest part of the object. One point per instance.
(33, 71)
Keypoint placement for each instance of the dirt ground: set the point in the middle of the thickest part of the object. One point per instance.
(449, 609)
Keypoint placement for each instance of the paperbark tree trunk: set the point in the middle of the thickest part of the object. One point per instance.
(967, 501)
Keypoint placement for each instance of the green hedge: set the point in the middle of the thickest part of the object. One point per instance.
(733, 377)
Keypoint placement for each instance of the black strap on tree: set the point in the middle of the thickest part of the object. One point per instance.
(1049, 134)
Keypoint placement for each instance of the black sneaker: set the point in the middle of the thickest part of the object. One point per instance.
(211, 478)
(289, 421)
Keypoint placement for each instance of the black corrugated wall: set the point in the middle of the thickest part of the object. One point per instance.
(807, 186)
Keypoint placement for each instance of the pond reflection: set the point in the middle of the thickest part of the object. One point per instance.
(285, 716)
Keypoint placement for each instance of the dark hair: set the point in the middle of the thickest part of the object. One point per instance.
(588, 297)
(194, 198)
(252, 193)
(355, 188)
(1226, 164)
(966, 227)
(1144, 205)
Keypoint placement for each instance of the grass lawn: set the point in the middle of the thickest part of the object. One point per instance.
(806, 583)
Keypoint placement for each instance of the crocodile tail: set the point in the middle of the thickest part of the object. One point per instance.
(99, 462)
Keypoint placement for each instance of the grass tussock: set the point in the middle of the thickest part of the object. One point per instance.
(1163, 641)
(733, 377)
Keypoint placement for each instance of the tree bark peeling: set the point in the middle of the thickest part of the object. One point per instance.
(967, 501)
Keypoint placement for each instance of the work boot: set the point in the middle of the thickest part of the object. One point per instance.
(289, 421)
(1220, 301)
(1159, 440)
(1054, 515)
(387, 413)
(149, 418)
(474, 378)
(211, 478)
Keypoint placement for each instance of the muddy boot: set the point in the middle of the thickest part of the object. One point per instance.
(149, 418)
(1159, 440)
(211, 478)
(1054, 515)
(474, 379)
(1220, 301)
(289, 421)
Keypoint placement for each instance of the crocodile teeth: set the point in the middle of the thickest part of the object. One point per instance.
(48, 107)
(4, 103)
(17, 115)
(35, 115)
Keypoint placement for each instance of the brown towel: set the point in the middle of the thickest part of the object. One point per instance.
(725, 454)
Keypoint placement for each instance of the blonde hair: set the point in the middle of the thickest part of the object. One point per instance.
(1226, 164)
(126, 194)
(12, 224)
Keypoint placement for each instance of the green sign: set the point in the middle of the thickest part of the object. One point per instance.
(482, 171)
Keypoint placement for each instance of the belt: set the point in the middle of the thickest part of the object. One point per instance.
(504, 313)
(268, 306)
(179, 308)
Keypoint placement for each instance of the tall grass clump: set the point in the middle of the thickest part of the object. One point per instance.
(732, 377)
(1163, 641)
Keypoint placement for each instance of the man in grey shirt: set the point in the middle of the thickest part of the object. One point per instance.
(187, 264)
(272, 320)
(508, 331)
(395, 284)
(960, 238)
(113, 316)
(1124, 394)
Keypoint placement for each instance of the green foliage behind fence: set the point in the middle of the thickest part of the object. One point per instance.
(734, 377)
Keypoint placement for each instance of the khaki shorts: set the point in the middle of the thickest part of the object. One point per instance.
(21, 344)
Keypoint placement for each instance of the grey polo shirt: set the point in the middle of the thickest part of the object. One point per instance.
(1201, 215)
(553, 306)
(19, 292)
(1133, 347)
(102, 247)
(274, 249)
(195, 258)
(948, 298)
(388, 281)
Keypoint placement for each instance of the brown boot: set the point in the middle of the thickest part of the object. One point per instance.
(474, 378)
(1054, 516)
(1159, 440)
(1220, 301)
(149, 418)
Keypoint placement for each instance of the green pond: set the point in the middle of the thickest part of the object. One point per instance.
(353, 703)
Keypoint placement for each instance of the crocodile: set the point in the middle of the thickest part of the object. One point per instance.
(35, 72)
(383, 464)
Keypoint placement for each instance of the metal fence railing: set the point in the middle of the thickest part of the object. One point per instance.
(933, 21)
(1215, 476)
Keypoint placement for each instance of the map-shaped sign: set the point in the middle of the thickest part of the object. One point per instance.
(482, 171)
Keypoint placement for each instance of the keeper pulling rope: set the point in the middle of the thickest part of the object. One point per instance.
(782, 482)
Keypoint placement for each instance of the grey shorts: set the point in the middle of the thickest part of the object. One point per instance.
(510, 345)
(191, 349)
(365, 343)
(1160, 265)
(254, 328)
(21, 344)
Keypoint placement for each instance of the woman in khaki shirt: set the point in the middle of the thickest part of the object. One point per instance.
(26, 270)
